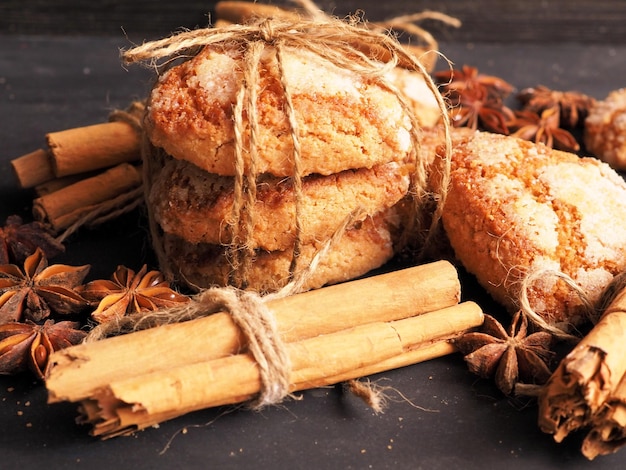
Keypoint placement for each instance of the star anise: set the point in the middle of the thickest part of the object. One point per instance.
(129, 292)
(37, 290)
(19, 240)
(468, 78)
(573, 106)
(475, 111)
(511, 357)
(476, 100)
(28, 346)
(543, 128)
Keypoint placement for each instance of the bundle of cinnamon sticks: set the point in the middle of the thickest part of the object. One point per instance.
(587, 392)
(85, 174)
(337, 333)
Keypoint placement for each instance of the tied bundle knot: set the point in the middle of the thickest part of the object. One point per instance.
(266, 31)
(249, 312)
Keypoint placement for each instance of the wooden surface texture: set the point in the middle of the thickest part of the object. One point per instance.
(539, 21)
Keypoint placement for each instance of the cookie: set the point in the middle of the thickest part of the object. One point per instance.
(344, 120)
(363, 247)
(605, 129)
(515, 208)
(196, 206)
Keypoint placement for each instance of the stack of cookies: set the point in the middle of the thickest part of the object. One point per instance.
(356, 149)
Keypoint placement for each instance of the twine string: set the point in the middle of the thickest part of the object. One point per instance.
(407, 24)
(248, 209)
(241, 250)
(257, 322)
(249, 311)
(242, 215)
(297, 159)
(333, 40)
(589, 309)
(132, 115)
(610, 293)
(330, 39)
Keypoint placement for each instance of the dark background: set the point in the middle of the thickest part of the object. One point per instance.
(540, 21)
(60, 68)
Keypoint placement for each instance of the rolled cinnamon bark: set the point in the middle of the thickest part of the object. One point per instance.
(66, 206)
(84, 149)
(53, 185)
(77, 151)
(33, 168)
(585, 379)
(136, 402)
(608, 428)
(78, 371)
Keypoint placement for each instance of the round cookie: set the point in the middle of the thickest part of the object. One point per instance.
(363, 247)
(605, 129)
(344, 120)
(515, 208)
(195, 205)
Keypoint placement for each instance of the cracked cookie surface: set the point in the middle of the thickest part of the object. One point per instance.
(515, 207)
(344, 120)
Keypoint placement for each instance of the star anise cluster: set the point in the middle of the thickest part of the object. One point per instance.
(44, 308)
(543, 128)
(551, 117)
(35, 291)
(32, 299)
(510, 357)
(573, 106)
(546, 116)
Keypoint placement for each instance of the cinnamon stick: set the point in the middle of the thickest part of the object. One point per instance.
(125, 421)
(137, 402)
(588, 376)
(33, 168)
(385, 297)
(94, 147)
(77, 151)
(444, 325)
(608, 428)
(64, 207)
(53, 185)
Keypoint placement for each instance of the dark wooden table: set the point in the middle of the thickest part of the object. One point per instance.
(439, 415)
(585, 21)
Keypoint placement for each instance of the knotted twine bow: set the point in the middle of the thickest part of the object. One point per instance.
(334, 41)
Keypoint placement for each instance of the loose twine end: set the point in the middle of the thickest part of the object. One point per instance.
(372, 395)
(591, 311)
